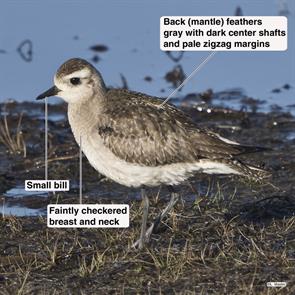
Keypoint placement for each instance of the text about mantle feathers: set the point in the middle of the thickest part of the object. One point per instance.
(216, 33)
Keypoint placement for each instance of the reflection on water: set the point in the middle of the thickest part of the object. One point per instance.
(12, 202)
(20, 210)
(291, 136)
(20, 192)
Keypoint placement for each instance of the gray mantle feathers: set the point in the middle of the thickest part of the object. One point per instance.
(137, 130)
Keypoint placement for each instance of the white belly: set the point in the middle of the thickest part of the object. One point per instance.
(83, 122)
(133, 175)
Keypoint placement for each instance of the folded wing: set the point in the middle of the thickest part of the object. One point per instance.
(140, 132)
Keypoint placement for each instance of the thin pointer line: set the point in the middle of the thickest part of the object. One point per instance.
(3, 202)
(46, 139)
(80, 185)
(190, 76)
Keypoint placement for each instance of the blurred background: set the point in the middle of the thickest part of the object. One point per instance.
(122, 39)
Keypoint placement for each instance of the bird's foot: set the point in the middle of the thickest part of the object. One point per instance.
(145, 235)
(142, 241)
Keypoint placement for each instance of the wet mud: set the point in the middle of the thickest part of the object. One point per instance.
(223, 228)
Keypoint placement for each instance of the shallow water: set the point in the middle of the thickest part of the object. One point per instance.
(13, 202)
(244, 122)
(20, 210)
(20, 192)
(134, 49)
(291, 135)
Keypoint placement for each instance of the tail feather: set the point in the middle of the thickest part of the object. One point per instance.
(251, 172)
(244, 149)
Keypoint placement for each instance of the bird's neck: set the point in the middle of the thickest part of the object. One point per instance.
(82, 116)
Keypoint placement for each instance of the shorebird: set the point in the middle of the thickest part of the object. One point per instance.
(135, 140)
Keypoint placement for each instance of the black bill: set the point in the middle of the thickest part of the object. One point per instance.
(50, 92)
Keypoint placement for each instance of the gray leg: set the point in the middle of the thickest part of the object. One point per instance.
(174, 199)
(145, 200)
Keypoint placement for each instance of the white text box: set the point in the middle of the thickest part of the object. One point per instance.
(47, 185)
(85, 216)
(223, 33)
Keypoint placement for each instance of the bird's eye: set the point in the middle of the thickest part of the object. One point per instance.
(75, 81)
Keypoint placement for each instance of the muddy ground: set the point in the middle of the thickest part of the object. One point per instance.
(227, 236)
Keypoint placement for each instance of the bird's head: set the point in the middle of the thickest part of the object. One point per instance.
(75, 81)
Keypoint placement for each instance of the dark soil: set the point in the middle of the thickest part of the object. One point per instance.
(227, 236)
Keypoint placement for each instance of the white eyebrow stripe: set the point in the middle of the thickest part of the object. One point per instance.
(79, 74)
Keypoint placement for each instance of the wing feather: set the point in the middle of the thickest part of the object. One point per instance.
(135, 129)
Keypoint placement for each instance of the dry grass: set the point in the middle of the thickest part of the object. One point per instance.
(205, 247)
(13, 140)
(90, 264)
(232, 239)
